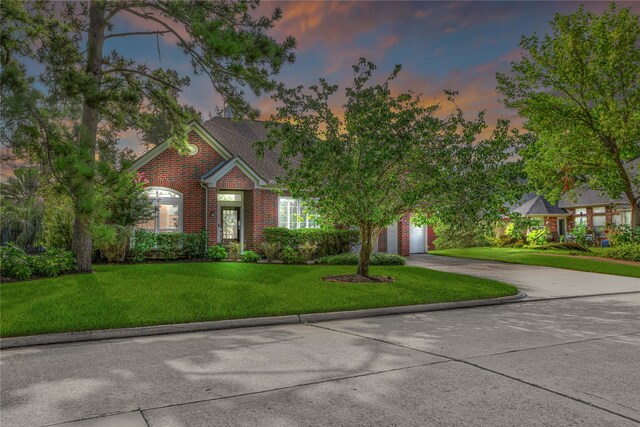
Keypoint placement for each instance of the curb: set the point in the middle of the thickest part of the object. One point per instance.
(105, 334)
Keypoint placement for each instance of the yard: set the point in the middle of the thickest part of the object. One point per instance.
(118, 296)
(548, 258)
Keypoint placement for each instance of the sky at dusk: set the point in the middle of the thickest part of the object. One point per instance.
(441, 45)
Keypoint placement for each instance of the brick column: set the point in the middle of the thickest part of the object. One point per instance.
(212, 215)
(431, 236)
(403, 234)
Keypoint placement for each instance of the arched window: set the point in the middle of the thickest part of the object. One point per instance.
(168, 205)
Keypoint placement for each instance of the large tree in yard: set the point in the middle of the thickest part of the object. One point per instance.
(388, 154)
(579, 91)
(69, 115)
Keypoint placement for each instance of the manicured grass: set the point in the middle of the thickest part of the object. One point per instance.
(550, 258)
(118, 296)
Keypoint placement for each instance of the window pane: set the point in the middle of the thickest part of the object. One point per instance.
(581, 220)
(149, 225)
(599, 209)
(169, 217)
(162, 194)
(229, 197)
(598, 222)
(627, 217)
(581, 211)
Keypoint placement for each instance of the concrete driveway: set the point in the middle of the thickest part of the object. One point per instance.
(537, 282)
(538, 363)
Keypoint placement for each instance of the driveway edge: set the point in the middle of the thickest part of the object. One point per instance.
(105, 334)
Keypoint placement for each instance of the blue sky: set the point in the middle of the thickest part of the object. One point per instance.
(441, 45)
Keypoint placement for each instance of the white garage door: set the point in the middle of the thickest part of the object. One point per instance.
(392, 238)
(418, 239)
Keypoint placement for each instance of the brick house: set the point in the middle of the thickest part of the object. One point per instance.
(590, 208)
(223, 187)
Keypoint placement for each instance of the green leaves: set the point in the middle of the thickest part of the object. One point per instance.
(579, 89)
(388, 154)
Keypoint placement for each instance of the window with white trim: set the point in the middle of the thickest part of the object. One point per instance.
(168, 217)
(292, 214)
(598, 222)
(622, 217)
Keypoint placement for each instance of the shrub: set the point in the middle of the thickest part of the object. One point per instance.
(623, 234)
(143, 241)
(580, 232)
(217, 253)
(111, 240)
(291, 256)
(537, 237)
(250, 256)
(193, 245)
(351, 258)
(625, 251)
(504, 241)
(52, 262)
(270, 250)
(234, 249)
(448, 237)
(329, 241)
(307, 251)
(14, 263)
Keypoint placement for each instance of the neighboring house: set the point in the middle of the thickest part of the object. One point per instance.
(223, 187)
(590, 208)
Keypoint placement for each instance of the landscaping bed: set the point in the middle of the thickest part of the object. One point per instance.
(581, 261)
(118, 296)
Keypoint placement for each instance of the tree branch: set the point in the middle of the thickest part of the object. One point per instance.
(136, 33)
(141, 73)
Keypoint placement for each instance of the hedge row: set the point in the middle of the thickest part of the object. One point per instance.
(329, 241)
(16, 264)
(169, 245)
(351, 258)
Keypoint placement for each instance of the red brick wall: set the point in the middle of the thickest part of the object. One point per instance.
(265, 213)
(431, 236)
(235, 179)
(182, 173)
(248, 220)
(403, 234)
(212, 212)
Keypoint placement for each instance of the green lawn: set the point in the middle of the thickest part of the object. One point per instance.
(151, 294)
(548, 258)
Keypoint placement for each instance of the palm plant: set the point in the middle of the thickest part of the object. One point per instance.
(21, 209)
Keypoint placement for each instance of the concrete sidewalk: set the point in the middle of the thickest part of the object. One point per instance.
(554, 362)
(537, 282)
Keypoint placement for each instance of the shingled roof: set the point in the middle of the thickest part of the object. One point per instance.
(539, 206)
(238, 136)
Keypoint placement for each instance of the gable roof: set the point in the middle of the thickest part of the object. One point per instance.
(539, 206)
(232, 139)
(223, 168)
(239, 136)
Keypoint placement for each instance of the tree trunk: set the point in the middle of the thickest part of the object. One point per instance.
(368, 237)
(83, 187)
(635, 211)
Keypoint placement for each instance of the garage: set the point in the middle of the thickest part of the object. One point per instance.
(417, 239)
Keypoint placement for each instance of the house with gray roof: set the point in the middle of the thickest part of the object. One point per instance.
(223, 187)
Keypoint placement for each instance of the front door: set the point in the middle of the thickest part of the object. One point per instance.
(561, 226)
(230, 225)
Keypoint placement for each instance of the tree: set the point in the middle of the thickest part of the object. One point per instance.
(387, 155)
(579, 91)
(70, 120)
(21, 208)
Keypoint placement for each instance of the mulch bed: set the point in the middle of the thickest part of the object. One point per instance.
(358, 278)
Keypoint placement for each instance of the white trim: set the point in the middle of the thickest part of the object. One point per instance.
(212, 181)
(180, 204)
(193, 126)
